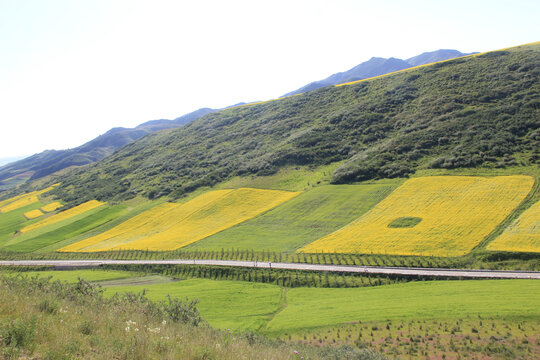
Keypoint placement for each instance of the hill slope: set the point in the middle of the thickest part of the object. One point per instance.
(378, 66)
(481, 110)
(50, 161)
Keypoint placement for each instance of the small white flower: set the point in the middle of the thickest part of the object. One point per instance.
(136, 329)
(127, 328)
(164, 322)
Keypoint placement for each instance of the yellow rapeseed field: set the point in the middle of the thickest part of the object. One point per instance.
(22, 200)
(522, 235)
(456, 212)
(52, 206)
(89, 205)
(32, 214)
(171, 226)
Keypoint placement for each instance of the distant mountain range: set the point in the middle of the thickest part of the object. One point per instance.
(378, 66)
(50, 161)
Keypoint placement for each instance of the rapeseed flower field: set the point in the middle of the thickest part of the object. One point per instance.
(522, 235)
(32, 214)
(84, 207)
(51, 207)
(456, 212)
(170, 226)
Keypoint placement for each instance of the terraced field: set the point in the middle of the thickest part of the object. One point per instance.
(22, 200)
(456, 213)
(171, 226)
(77, 210)
(301, 220)
(522, 235)
(46, 237)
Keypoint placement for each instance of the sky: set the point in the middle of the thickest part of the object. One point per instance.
(71, 70)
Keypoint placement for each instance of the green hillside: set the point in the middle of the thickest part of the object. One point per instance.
(472, 112)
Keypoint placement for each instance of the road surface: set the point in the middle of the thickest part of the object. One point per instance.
(457, 273)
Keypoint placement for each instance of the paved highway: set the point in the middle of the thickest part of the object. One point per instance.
(458, 273)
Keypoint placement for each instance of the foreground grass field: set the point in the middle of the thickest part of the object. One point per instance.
(234, 305)
(456, 213)
(41, 320)
(495, 319)
(310, 307)
(301, 220)
(72, 276)
(171, 226)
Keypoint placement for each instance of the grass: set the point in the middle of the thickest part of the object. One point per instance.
(301, 220)
(234, 305)
(68, 231)
(429, 319)
(309, 308)
(405, 222)
(458, 212)
(72, 276)
(298, 178)
(40, 320)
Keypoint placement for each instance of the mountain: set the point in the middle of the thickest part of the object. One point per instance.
(480, 111)
(50, 161)
(377, 66)
(434, 56)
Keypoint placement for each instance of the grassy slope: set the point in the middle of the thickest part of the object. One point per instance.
(68, 231)
(224, 304)
(301, 220)
(312, 307)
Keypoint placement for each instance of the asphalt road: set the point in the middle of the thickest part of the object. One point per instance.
(457, 273)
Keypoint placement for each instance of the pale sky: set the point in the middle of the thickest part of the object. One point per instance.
(70, 70)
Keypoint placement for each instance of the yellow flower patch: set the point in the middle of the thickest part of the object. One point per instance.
(33, 214)
(22, 200)
(522, 235)
(51, 207)
(452, 215)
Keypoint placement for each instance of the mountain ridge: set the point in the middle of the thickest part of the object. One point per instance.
(377, 66)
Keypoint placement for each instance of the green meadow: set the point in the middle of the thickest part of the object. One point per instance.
(234, 305)
(309, 308)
